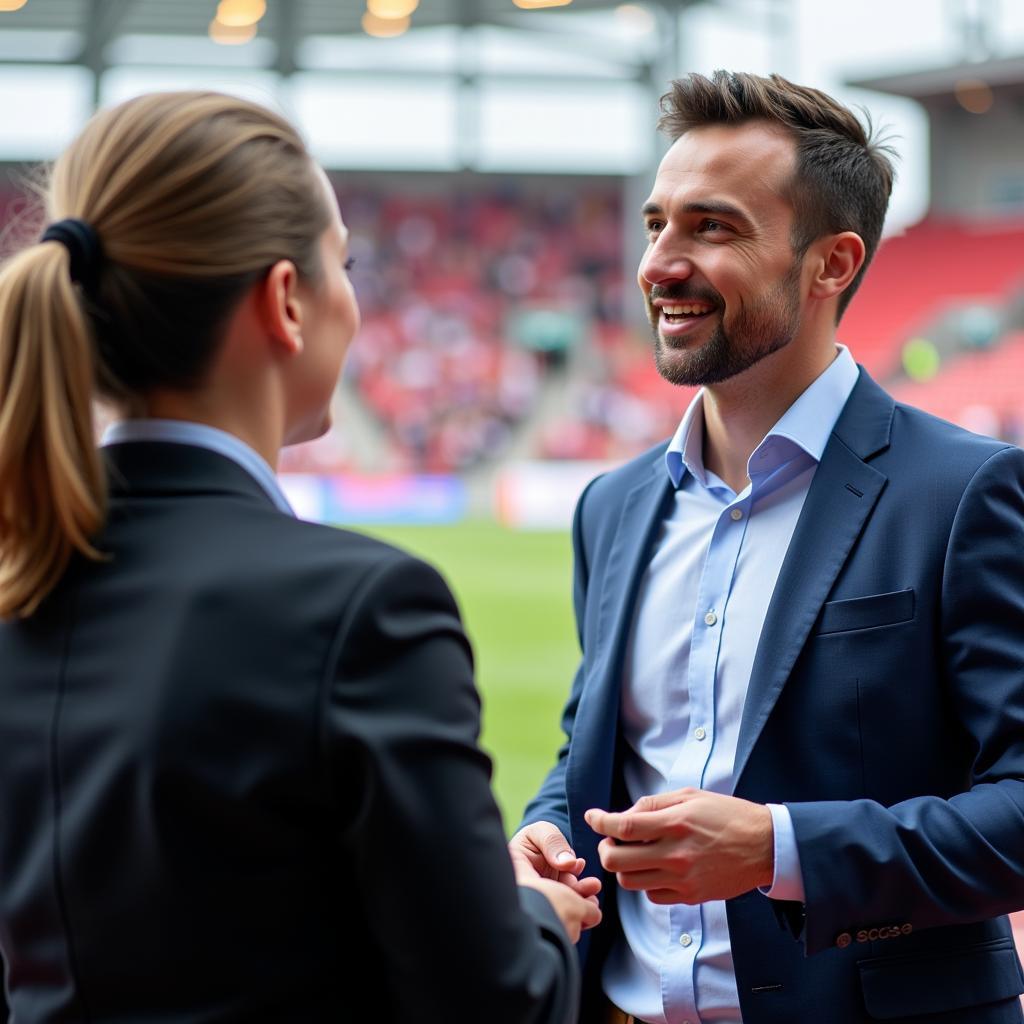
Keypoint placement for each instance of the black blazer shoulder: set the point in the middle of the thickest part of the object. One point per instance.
(240, 755)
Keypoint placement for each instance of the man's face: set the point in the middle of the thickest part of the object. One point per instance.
(721, 280)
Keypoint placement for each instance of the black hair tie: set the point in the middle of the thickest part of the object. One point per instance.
(82, 242)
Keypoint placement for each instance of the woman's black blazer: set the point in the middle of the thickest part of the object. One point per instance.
(240, 780)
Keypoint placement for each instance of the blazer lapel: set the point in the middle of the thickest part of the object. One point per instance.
(642, 512)
(842, 494)
(597, 717)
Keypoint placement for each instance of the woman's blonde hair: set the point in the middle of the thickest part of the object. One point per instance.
(193, 196)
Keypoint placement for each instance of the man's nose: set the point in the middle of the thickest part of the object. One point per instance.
(665, 261)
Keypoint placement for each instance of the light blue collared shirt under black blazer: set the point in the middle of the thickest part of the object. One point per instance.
(201, 435)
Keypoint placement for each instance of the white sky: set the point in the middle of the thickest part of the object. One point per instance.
(368, 116)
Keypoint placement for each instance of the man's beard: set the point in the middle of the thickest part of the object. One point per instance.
(757, 331)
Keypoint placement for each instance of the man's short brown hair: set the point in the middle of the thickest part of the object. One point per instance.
(843, 175)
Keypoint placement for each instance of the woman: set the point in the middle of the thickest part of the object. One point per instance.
(239, 778)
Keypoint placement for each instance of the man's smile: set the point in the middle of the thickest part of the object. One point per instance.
(676, 319)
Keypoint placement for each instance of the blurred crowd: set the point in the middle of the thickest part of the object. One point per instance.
(453, 354)
(496, 321)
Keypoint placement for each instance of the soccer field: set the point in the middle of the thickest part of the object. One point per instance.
(514, 589)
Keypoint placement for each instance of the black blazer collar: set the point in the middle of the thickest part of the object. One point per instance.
(154, 468)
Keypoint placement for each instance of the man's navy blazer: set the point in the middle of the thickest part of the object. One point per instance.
(240, 781)
(885, 709)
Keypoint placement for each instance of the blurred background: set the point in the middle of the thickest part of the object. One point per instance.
(491, 157)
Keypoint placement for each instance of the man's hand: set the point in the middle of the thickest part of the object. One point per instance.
(577, 913)
(541, 851)
(688, 846)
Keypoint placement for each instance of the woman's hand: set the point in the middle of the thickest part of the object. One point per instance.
(577, 913)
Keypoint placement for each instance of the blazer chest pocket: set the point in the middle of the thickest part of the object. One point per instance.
(955, 979)
(866, 612)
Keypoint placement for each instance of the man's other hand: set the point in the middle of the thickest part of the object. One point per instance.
(687, 846)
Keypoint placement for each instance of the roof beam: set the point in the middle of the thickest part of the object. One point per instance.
(103, 19)
(287, 38)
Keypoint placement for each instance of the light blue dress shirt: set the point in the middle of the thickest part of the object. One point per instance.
(699, 614)
(201, 435)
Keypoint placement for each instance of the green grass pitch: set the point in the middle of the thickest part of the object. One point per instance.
(515, 592)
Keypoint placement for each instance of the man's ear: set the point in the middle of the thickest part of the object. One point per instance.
(279, 307)
(838, 258)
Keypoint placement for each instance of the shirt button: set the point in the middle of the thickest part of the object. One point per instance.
(700, 732)
(736, 514)
(686, 939)
(711, 618)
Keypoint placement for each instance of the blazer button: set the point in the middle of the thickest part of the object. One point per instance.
(843, 940)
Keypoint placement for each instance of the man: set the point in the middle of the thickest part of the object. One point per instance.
(802, 625)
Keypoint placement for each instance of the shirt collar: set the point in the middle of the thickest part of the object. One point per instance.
(202, 435)
(807, 424)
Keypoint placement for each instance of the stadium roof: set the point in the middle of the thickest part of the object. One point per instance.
(191, 17)
(1004, 74)
(81, 31)
(465, 67)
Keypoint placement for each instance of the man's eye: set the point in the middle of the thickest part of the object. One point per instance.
(654, 226)
(350, 263)
(712, 225)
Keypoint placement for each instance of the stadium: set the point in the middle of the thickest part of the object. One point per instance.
(490, 158)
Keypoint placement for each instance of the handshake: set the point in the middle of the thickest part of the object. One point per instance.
(685, 846)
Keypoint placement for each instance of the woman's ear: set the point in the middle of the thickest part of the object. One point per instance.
(840, 257)
(279, 306)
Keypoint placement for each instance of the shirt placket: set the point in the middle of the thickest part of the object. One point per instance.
(686, 927)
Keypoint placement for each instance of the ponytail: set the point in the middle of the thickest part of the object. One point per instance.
(52, 485)
(193, 196)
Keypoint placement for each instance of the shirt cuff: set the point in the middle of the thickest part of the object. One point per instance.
(788, 881)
